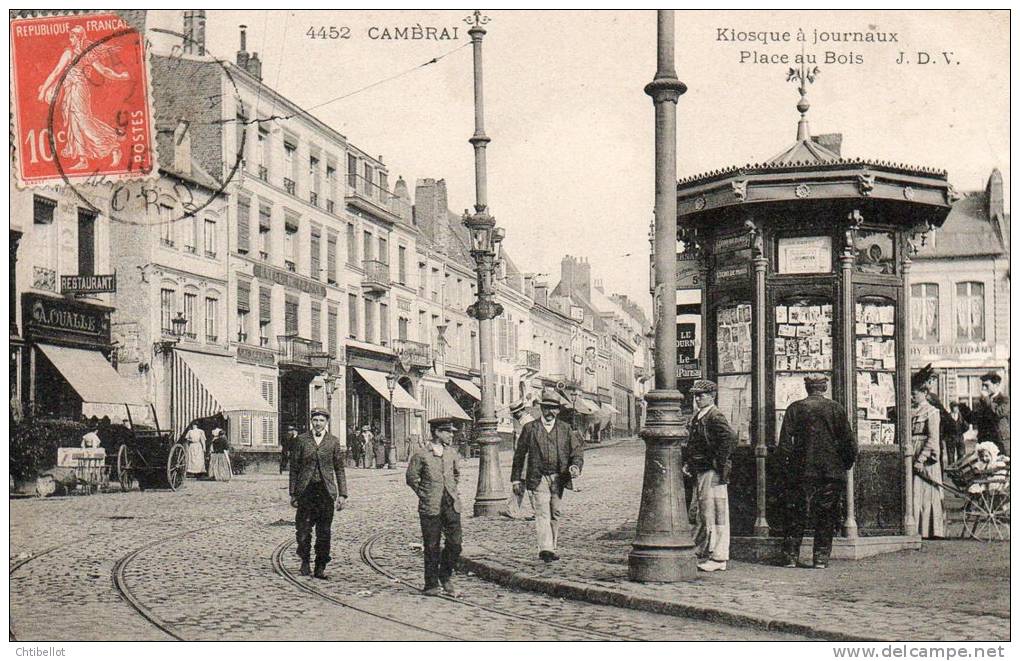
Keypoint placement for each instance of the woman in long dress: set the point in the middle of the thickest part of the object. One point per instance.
(87, 136)
(927, 489)
(196, 450)
(219, 459)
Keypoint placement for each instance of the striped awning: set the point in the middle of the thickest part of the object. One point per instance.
(204, 385)
(440, 404)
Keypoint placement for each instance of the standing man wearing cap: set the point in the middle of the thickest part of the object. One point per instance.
(434, 474)
(991, 413)
(817, 447)
(317, 482)
(710, 441)
(553, 454)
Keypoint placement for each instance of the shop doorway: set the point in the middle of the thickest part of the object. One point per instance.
(294, 400)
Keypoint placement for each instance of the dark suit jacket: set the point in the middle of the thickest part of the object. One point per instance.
(431, 476)
(535, 445)
(816, 441)
(306, 459)
(991, 418)
(710, 441)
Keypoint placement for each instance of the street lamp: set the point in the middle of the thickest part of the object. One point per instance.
(177, 326)
(485, 247)
(391, 383)
(663, 549)
(322, 361)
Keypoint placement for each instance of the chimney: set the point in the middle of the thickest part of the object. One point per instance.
(182, 148)
(255, 66)
(242, 54)
(996, 203)
(598, 285)
(542, 293)
(194, 32)
(831, 141)
(400, 189)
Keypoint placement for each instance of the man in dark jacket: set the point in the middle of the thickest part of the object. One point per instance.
(817, 447)
(553, 454)
(434, 473)
(709, 444)
(285, 445)
(317, 481)
(991, 413)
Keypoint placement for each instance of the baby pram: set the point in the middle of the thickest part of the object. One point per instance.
(984, 486)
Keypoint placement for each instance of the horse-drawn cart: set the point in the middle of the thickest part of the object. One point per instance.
(150, 458)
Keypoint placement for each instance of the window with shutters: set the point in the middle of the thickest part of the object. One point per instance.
(265, 315)
(369, 322)
(262, 153)
(502, 345)
(166, 225)
(970, 311)
(212, 316)
(384, 251)
(352, 316)
(265, 225)
(243, 310)
(190, 304)
(210, 238)
(166, 306)
(384, 324)
(367, 240)
(402, 328)
(331, 258)
(290, 316)
(290, 240)
(314, 247)
(332, 327)
(316, 321)
(240, 127)
(244, 421)
(243, 225)
(86, 242)
(402, 265)
(330, 186)
(352, 245)
(352, 171)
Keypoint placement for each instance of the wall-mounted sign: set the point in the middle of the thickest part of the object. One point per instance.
(688, 272)
(60, 319)
(730, 243)
(88, 284)
(809, 254)
(288, 279)
(689, 370)
(255, 356)
(730, 274)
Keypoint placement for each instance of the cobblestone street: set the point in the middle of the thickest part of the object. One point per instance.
(216, 561)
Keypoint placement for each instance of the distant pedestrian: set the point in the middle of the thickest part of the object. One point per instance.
(956, 448)
(991, 413)
(710, 441)
(318, 483)
(91, 438)
(219, 458)
(548, 457)
(196, 440)
(434, 475)
(927, 450)
(354, 445)
(379, 447)
(817, 447)
(368, 447)
(285, 446)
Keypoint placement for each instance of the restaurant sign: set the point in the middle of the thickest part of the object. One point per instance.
(255, 356)
(53, 318)
(83, 285)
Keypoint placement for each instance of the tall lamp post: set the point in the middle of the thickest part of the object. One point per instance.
(391, 383)
(321, 360)
(485, 242)
(663, 549)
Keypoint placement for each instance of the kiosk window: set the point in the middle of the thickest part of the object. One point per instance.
(875, 352)
(873, 253)
(803, 345)
(733, 350)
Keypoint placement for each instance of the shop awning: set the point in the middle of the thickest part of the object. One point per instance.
(440, 404)
(468, 387)
(586, 406)
(204, 385)
(401, 398)
(91, 376)
(608, 408)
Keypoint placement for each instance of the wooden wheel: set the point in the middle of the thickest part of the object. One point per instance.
(176, 466)
(987, 517)
(124, 474)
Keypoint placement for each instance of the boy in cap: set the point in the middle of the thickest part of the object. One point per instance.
(709, 444)
(317, 482)
(434, 473)
(554, 455)
(817, 447)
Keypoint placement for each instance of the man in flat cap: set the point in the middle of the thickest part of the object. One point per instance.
(710, 441)
(434, 473)
(817, 447)
(991, 413)
(553, 454)
(317, 484)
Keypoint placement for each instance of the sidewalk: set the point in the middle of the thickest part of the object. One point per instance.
(949, 590)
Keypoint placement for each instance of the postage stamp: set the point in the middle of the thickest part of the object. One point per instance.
(81, 100)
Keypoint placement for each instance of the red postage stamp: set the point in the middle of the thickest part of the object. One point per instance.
(81, 100)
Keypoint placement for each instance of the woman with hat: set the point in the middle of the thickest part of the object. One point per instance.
(219, 460)
(927, 487)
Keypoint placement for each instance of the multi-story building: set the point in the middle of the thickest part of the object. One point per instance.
(959, 295)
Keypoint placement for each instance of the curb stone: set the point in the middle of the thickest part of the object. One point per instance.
(574, 590)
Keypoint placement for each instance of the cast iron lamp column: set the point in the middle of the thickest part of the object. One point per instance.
(663, 549)
(485, 240)
(391, 383)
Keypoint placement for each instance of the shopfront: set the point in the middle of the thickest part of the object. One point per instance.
(804, 262)
(381, 394)
(68, 368)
